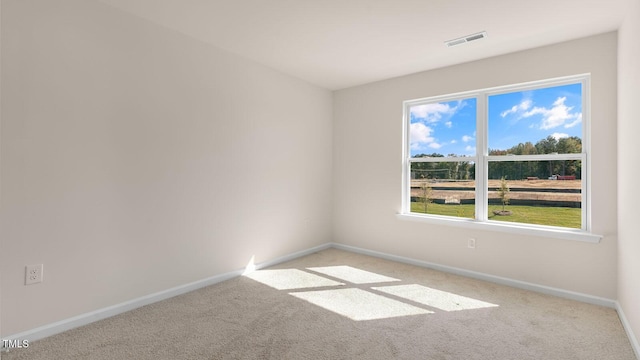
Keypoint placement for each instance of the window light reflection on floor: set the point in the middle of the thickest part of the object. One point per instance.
(357, 304)
(352, 275)
(439, 299)
(363, 302)
(287, 279)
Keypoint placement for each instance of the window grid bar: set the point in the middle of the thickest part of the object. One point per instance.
(540, 157)
(586, 163)
(443, 159)
(406, 165)
(482, 192)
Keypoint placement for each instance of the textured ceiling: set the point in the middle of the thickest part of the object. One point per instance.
(342, 43)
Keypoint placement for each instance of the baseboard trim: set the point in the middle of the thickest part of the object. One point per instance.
(87, 318)
(93, 316)
(627, 327)
(486, 277)
(293, 256)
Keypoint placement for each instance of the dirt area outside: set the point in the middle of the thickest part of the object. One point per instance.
(537, 190)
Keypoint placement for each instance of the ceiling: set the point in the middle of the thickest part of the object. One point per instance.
(337, 44)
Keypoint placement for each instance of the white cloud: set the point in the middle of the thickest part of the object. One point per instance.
(448, 124)
(575, 122)
(420, 133)
(432, 113)
(559, 136)
(513, 110)
(558, 115)
(535, 111)
(523, 106)
(466, 138)
(453, 141)
(470, 148)
(420, 136)
(435, 145)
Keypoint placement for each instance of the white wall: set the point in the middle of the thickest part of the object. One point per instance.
(628, 175)
(367, 172)
(135, 159)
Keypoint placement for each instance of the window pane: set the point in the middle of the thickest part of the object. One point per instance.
(443, 188)
(537, 192)
(444, 128)
(541, 121)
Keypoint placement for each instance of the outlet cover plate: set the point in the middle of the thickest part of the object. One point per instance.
(33, 274)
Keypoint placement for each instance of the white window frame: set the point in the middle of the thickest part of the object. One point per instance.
(482, 159)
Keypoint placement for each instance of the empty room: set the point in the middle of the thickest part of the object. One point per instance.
(356, 179)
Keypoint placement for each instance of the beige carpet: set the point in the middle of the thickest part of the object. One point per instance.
(339, 305)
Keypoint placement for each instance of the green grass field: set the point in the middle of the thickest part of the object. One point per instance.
(550, 216)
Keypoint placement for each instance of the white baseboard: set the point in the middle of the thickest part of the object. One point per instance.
(627, 327)
(486, 277)
(87, 318)
(508, 282)
(293, 256)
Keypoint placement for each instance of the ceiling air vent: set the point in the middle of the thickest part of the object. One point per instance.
(466, 39)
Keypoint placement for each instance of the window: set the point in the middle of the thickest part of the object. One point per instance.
(514, 155)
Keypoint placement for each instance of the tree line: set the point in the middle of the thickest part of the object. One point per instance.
(513, 170)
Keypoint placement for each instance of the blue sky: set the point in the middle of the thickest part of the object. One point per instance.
(517, 117)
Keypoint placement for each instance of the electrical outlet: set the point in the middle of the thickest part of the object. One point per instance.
(471, 243)
(33, 274)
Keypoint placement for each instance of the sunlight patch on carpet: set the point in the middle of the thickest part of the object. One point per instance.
(365, 302)
(442, 300)
(352, 275)
(357, 304)
(287, 279)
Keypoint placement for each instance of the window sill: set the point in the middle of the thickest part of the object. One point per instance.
(542, 231)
